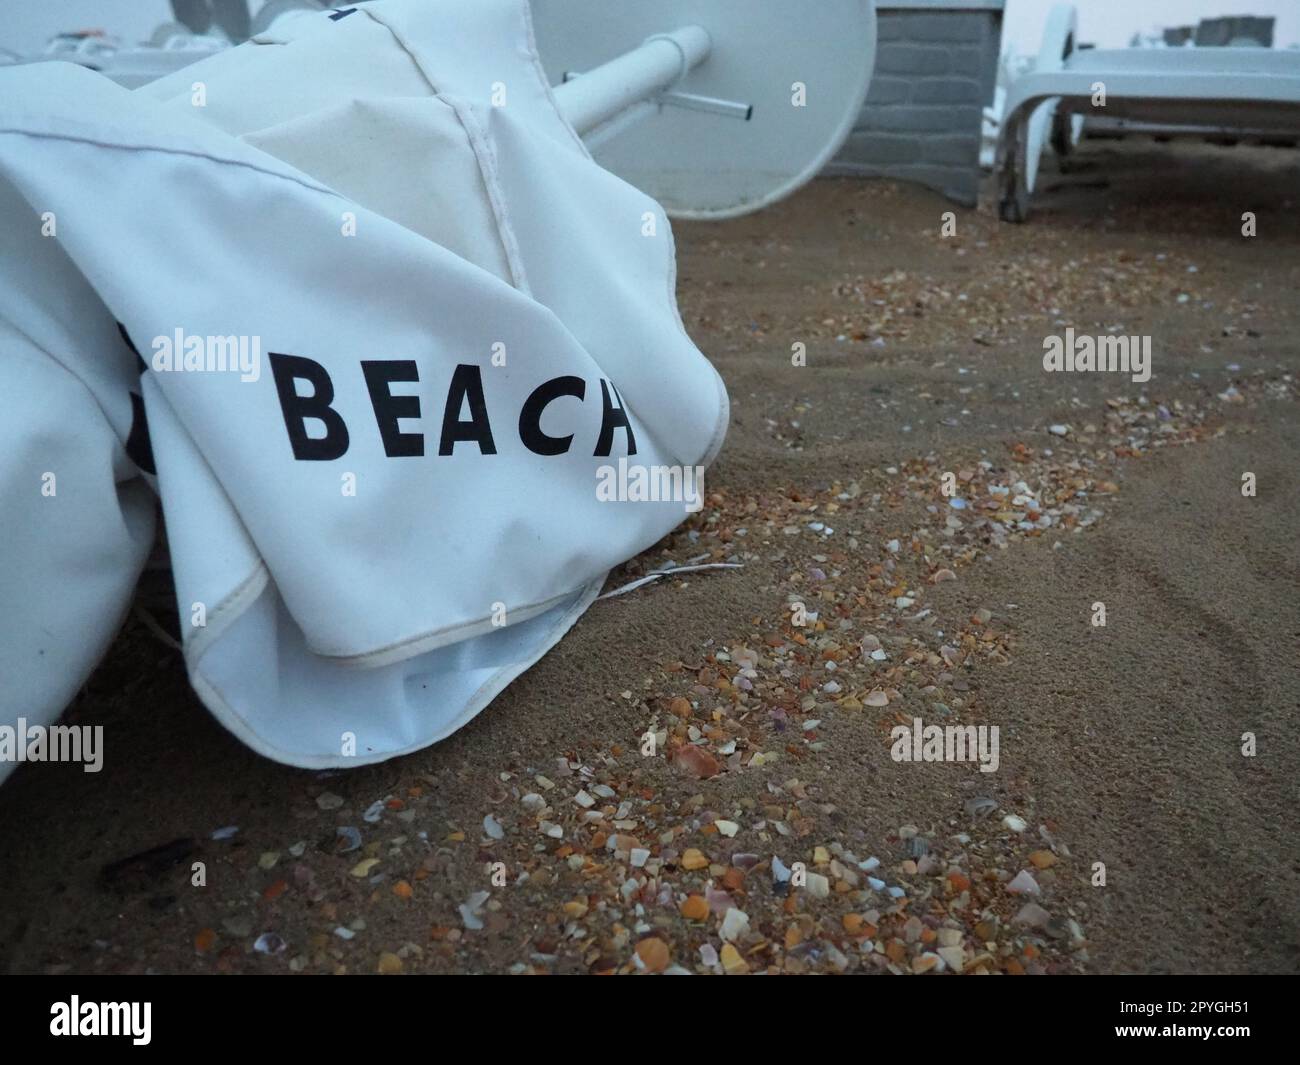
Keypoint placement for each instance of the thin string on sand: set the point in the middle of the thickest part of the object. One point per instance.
(654, 575)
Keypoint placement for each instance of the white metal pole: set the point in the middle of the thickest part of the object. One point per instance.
(598, 95)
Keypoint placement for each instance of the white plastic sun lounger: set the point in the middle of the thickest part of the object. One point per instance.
(1193, 91)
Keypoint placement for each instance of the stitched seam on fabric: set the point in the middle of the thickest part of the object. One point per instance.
(405, 47)
(170, 150)
(486, 692)
(530, 46)
(529, 610)
(229, 610)
(486, 158)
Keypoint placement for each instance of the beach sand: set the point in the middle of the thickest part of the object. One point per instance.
(1121, 746)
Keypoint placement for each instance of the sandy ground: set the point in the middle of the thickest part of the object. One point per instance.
(1119, 745)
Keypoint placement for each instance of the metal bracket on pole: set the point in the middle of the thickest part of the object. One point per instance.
(690, 101)
(711, 104)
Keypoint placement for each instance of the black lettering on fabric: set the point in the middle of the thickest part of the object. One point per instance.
(297, 409)
(611, 418)
(466, 381)
(380, 374)
(530, 417)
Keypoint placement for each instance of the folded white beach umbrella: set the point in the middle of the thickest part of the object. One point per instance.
(443, 316)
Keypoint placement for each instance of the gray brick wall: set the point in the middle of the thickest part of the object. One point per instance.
(936, 61)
